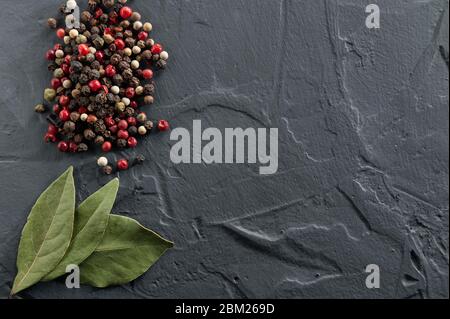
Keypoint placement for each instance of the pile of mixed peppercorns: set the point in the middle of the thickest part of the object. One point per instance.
(102, 74)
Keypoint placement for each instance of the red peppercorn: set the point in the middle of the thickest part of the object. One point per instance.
(67, 59)
(132, 142)
(110, 70)
(131, 121)
(64, 115)
(50, 138)
(63, 100)
(73, 147)
(99, 55)
(95, 85)
(122, 164)
(142, 35)
(157, 49)
(123, 125)
(52, 129)
(114, 129)
(107, 31)
(82, 110)
(147, 74)
(163, 125)
(55, 83)
(50, 55)
(122, 134)
(120, 44)
(65, 68)
(83, 49)
(61, 33)
(130, 92)
(63, 146)
(57, 47)
(109, 121)
(106, 147)
(56, 108)
(98, 13)
(133, 104)
(126, 12)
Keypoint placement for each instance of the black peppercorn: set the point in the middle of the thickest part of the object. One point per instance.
(130, 42)
(148, 125)
(96, 65)
(118, 79)
(85, 90)
(146, 55)
(78, 138)
(121, 143)
(89, 134)
(123, 65)
(127, 74)
(129, 111)
(99, 140)
(69, 127)
(108, 3)
(94, 75)
(107, 170)
(162, 64)
(85, 16)
(132, 130)
(82, 147)
(139, 159)
(52, 23)
(115, 59)
(149, 89)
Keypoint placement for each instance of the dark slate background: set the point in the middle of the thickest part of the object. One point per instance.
(363, 123)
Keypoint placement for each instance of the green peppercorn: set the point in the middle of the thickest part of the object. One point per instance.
(49, 94)
(120, 106)
(58, 73)
(40, 108)
(142, 117)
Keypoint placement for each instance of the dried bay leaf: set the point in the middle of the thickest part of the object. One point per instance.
(91, 220)
(46, 235)
(126, 251)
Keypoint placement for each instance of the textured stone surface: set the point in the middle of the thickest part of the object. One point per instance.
(363, 124)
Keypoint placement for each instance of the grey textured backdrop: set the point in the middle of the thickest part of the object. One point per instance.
(363, 123)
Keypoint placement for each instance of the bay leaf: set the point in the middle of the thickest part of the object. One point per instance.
(126, 251)
(47, 233)
(91, 219)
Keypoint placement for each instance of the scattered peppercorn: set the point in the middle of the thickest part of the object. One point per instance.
(40, 108)
(139, 159)
(52, 23)
(107, 170)
(122, 164)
